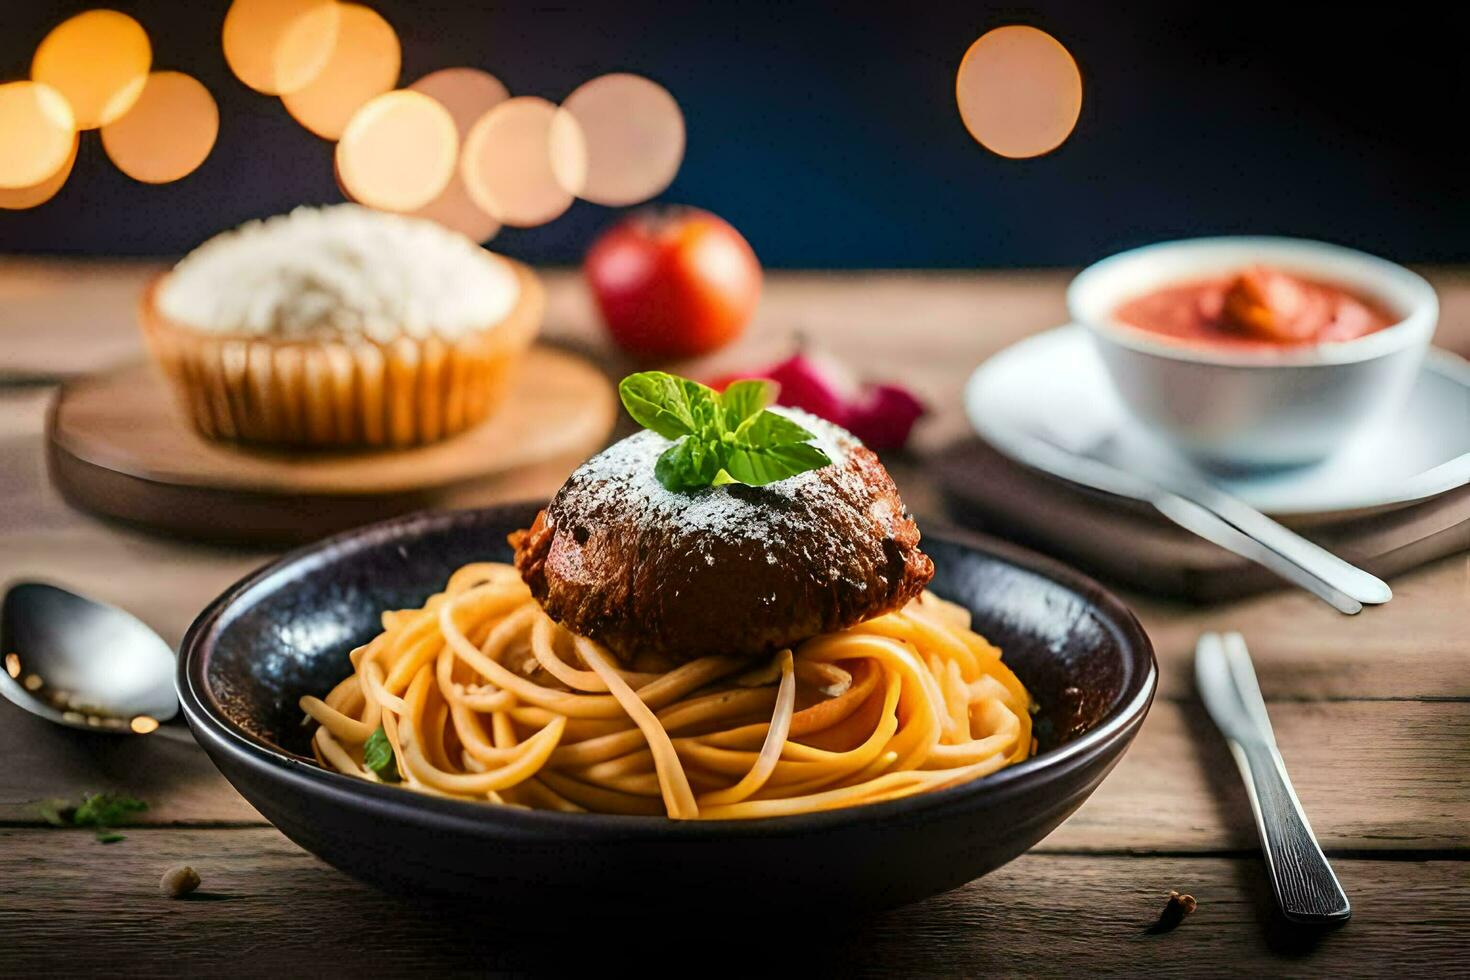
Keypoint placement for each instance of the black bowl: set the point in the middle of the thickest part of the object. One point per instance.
(285, 631)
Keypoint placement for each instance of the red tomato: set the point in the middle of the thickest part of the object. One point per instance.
(673, 282)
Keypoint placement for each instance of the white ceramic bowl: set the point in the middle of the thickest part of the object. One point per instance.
(1235, 409)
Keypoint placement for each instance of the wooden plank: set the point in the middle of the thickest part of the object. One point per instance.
(1374, 775)
(267, 907)
(119, 447)
(1409, 648)
(48, 326)
(128, 421)
(1413, 647)
(166, 770)
(1130, 544)
(161, 581)
(1386, 775)
(69, 316)
(928, 328)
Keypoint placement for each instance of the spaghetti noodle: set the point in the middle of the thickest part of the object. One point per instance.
(482, 696)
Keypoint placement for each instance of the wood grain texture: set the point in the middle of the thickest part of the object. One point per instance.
(50, 328)
(1412, 647)
(221, 516)
(266, 908)
(1131, 544)
(932, 328)
(119, 447)
(126, 420)
(1373, 776)
(170, 773)
(1372, 714)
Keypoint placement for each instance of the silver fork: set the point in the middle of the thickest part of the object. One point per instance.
(1305, 886)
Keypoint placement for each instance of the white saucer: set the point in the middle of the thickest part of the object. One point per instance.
(1055, 383)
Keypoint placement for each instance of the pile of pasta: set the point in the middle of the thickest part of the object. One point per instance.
(482, 696)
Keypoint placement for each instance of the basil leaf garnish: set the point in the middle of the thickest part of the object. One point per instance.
(686, 465)
(669, 405)
(759, 465)
(770, 429)
(746, 400)
(377, 755)
(722, 438)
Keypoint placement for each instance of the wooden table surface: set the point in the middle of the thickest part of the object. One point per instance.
(1372, 714)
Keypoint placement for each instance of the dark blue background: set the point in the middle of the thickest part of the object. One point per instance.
(829, 135)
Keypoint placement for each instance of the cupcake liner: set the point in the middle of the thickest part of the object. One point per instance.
(341, 391)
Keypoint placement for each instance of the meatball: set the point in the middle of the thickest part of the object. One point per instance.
(733, 570)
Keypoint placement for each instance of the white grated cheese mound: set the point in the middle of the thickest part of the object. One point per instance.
(345, 271)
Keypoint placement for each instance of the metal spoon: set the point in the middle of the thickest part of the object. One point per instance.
(82, 663)
(1216, 516)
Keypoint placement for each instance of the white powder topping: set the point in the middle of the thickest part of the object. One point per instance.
(344, 270)
(780, 515)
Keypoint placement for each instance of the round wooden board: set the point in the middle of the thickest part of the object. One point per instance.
(118, 446)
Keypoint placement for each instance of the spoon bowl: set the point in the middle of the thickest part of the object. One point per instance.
(83, 663)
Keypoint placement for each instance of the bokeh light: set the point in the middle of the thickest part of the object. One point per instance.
(279, 46)
(468, 94)
(37, 133)
(456, 210)
(1019, 91)
(20, 198)
(337, 176)
(398, 152)
(520, 158)
(98, 60)
(364, 63)
(635, 138)
(168, 133)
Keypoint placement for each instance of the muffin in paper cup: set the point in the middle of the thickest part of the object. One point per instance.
(342, 388)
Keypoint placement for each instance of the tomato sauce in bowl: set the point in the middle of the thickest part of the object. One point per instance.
(1257, 307)
(1254, 351)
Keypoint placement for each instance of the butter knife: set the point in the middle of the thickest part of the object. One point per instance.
(1306, 888)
